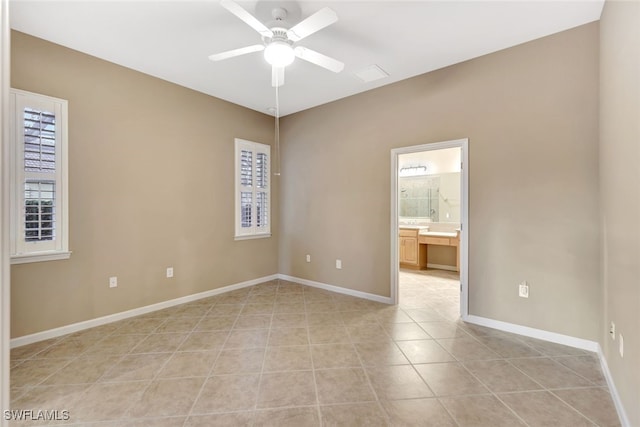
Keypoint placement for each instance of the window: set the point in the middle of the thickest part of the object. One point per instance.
(39, 224)
(253, 192)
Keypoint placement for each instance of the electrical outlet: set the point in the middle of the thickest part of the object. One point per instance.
(612, 331)
(621, 346)
(169, 271)
(338, 264)
(113, 282)
(523, 290)
(308, 258)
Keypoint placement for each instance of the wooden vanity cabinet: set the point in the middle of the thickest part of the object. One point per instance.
(412, 254)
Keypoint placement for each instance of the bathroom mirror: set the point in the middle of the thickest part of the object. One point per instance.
(430, 198)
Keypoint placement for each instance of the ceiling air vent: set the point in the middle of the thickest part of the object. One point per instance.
(371, 73)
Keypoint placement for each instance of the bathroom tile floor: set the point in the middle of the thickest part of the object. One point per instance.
(283, 354)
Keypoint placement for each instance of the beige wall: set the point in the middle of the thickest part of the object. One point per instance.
(620, 194)
(151, 186)
(531, 116)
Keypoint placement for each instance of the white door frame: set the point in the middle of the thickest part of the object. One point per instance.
(4, 208)
(464, 206)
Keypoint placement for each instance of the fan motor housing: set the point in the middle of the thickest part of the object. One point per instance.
(279, 35)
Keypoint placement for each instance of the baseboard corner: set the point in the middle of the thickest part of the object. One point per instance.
(622, 413)
(337, 289)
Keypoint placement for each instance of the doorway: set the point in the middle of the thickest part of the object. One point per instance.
(426, 212)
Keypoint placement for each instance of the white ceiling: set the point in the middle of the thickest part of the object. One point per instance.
(172, 40)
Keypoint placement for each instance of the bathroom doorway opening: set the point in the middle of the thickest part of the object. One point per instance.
(429, 224)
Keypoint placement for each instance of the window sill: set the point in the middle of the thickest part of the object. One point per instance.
(253, 236)
(40, 257)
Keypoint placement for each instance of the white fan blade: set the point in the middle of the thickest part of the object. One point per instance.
(322, 18)
(248, 18)
(236, 52)
(319, 59)
(277, 76)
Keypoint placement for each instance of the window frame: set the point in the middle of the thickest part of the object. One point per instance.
(47, 250)
(254, 231)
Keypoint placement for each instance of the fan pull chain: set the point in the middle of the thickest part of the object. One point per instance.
(276, 168)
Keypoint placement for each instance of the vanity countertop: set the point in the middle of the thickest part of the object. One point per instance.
(438, 233)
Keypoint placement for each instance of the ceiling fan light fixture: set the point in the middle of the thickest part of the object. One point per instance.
(279, 54)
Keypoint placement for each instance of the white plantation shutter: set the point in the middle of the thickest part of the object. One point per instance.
(253, 189)
(39, 140)
(262, 190)
(39, 175)
(40, 211)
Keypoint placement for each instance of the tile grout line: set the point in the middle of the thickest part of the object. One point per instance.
(120, 357)
(199, 394)
(264, 357)
(573, 408)
(366, 374)
(128, 409)
(313, 368)
(547, 389)
(166, 362)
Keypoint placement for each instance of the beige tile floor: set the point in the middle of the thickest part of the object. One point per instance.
(282, 354)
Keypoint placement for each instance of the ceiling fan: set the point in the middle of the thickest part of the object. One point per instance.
(278, 42)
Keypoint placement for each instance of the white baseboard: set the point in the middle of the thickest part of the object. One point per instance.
(337, 289)
(622, 414)
(442, 267)
(75, 327)
(534, 333)
(559, 339)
